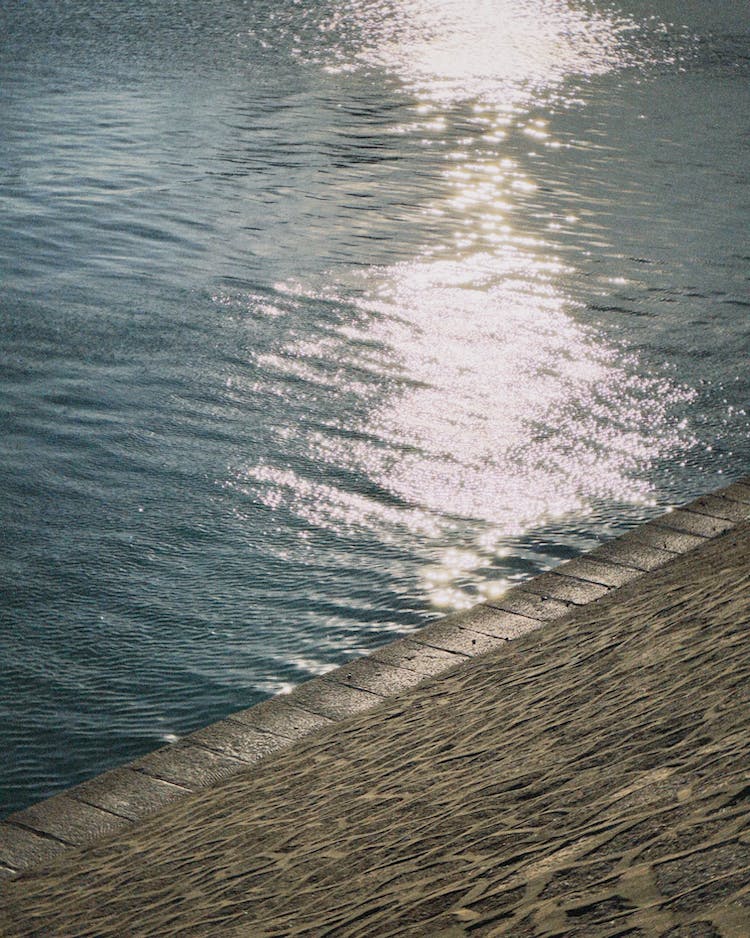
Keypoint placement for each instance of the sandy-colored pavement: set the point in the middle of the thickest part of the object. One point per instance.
(589, 779)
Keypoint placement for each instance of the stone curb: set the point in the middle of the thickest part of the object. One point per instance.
(115, 800)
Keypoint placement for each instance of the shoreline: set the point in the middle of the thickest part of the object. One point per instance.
(121, 805)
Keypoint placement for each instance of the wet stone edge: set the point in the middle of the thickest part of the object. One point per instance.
(108, 803)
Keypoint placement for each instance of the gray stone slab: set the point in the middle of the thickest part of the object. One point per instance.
(20, 848)
(130, 794)
(598, 571)
(656, 535)
(483, 618)
(566, 588)
(332, 700)
(278, 717)
(370, 675)
(418, 657)
(631, 553)
(190, 766)
(719, 507)
(235, 739)
(529, 604)
(691, 523)
(737, 492)
(466, 641)
(69, 820)
(512, 624)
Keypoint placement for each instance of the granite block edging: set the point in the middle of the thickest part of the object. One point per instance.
(108, 803)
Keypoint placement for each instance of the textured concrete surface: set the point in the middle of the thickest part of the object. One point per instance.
(21, 848)
(68, 819)
(127, 793)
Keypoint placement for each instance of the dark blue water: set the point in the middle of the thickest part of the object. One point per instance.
(321, 319)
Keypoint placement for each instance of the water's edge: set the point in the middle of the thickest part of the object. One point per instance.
(108, 803)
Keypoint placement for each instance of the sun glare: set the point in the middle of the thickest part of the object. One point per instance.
(503, 412)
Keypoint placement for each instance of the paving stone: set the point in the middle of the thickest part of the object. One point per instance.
(631, 553)
(484, 618)
(370, 675)
(738, 492)
(237, 740)
(276, 716)
(417, 657)
(565, 588)
(188, 765)
(334, 701)
(125, 792)
(465, 641)
(529, 604)
(701, 525)
(68, 820)
(719, 507)
(20, 848)
(598, 571)
(656, 535)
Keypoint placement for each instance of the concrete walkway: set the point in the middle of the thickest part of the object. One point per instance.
(589, 778)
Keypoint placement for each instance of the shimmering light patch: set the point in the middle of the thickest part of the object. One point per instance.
(507, 414)
(450, 50)
(478, 407)
(308, 667)
(494, 589)
(323, 505)
(273, 686)
(516, 414)
(451, 598)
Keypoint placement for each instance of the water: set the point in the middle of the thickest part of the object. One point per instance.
(322, 319)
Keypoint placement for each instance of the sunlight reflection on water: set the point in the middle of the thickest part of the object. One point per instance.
(507, 413)
(450, 50)
(510, 414)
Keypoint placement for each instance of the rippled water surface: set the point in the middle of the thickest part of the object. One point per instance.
(320, 319)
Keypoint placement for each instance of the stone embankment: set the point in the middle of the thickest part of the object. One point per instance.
(571, 759)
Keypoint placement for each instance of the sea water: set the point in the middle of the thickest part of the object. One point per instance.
(322, 318)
